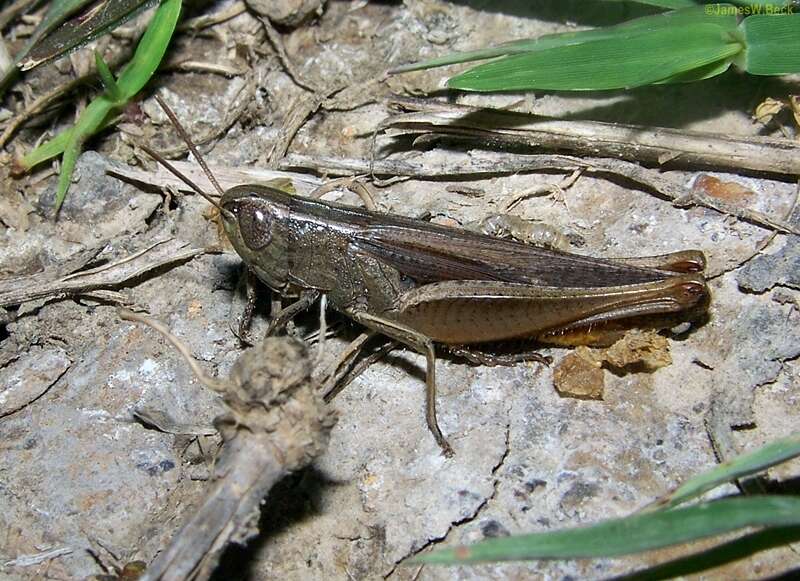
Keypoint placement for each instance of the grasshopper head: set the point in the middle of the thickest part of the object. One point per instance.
(255, 220)
(254, 217)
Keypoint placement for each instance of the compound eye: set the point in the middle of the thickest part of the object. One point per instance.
(254, 225)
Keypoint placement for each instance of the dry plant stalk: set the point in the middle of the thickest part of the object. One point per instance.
(655, 145)
(48, 284)
(277, 423)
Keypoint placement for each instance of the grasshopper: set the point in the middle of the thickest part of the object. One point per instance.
(423, 284)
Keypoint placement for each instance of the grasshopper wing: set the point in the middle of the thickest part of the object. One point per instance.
(431, 253)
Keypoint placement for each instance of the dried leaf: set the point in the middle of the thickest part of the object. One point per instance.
(727, 191)
(767, 109)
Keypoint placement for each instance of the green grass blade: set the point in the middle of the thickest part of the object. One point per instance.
(613, 63)
(640, 532)
(765, 457)
(151, 49)
(699, 73)
(68, 161)
(506, 48)
(97, 115)
(773, 44)
(735, 550)
(109, 82)
(654, 22)
(47, 150)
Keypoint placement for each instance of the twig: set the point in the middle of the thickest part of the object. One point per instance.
(112, 265)
(301, 111)
(209, 382)
(682, 197)
(38, 558)
(351, 183)
(277, 43)
(277, 423)
(791, 217)
(632, 142)
(189, 66)
(227, 177)
(505, 164)
(560, 187)
(106, 296)
(207, 20)
(38, 286)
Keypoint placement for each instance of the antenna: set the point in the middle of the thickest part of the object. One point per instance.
(178, 174)
(188, 140)
(173, 170)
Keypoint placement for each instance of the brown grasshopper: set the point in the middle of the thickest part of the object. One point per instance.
(423, 284)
